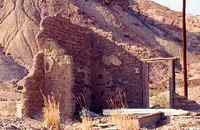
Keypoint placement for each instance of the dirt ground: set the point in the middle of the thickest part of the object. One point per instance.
(190, 121)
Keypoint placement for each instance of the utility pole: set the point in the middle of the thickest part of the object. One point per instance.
(185, 51)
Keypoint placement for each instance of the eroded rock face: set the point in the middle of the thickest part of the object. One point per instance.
(167, 26)
(19, 24)
(9, 70)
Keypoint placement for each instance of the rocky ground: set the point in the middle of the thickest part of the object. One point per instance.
(180, 122)
(19, 124)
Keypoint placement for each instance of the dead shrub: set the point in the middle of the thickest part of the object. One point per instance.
(124, 122)
(51, 114)
(86, 120)
(118, 100)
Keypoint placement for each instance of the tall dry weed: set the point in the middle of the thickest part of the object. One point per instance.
(51, 113)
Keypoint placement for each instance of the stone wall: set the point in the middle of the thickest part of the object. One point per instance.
(8, 99)
(33, 85)
(114, 70)
(80, 63)
(74, 61)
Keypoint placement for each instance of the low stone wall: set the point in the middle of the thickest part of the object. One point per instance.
(8, 100)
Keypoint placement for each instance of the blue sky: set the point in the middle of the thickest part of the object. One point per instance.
(193, 6)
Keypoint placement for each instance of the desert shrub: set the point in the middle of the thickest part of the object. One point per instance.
(118, 100)
(87, 123)
(86, 120)
(160, 100)
(51, 114)
(124, 122)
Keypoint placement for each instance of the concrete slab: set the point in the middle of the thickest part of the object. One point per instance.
(167, 112)
(150, 120)
(139, 117)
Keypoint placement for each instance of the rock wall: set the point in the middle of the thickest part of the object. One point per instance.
(115, 70)
(99, 67)
(81, 69)
(8, 99)
(33, 86)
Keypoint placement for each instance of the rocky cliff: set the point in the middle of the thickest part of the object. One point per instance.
(92, 47)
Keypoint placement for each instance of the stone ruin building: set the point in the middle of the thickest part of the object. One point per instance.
(75, 62)
(68, 61)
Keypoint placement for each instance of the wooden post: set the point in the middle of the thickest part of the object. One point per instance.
(172, 79)
(172, 83)
(145, 75)
(185, 51)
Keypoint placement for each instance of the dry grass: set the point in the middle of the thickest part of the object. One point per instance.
(87, 123)
(119, 100)
(51, 114)
(160, 100)
(81, 101)
(124, 122)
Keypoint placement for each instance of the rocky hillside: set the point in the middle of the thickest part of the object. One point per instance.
(140, 26)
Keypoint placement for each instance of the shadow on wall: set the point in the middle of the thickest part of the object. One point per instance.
(101, 68)
(156, 38)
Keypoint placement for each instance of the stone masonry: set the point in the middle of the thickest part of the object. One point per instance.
(74, 64)
(80, 63)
